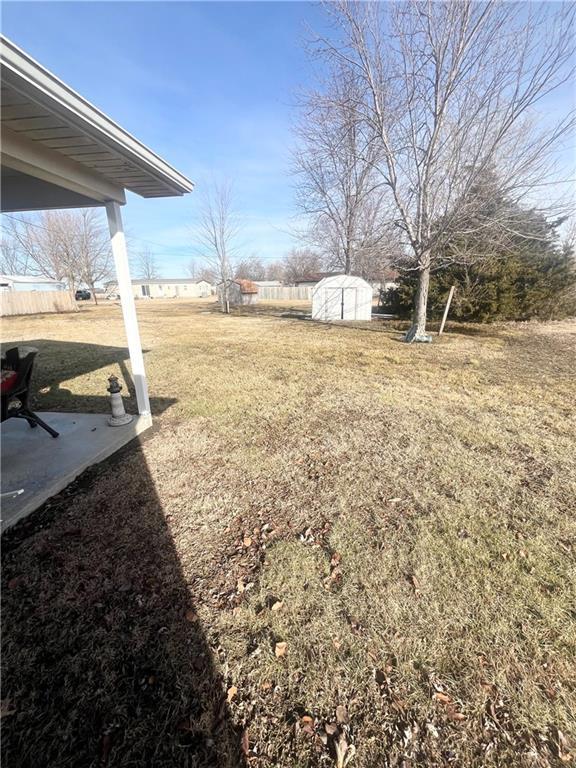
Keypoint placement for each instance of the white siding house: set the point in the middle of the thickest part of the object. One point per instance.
(169, 288)
(29, 283)
(342, 297)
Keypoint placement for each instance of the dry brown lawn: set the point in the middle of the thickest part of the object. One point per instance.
(333, 547)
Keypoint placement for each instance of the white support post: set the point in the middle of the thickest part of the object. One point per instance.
(128, 307)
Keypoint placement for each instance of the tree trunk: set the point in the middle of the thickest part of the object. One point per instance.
(417, 331)
(347, 261)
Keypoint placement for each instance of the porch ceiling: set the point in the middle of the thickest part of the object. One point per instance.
(43, 118)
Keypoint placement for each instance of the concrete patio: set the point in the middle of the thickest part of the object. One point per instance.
(42, 466)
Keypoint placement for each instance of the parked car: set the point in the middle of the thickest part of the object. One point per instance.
(113, 296)
(82, 294)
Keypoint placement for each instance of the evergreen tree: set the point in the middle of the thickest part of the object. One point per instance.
(513, 271)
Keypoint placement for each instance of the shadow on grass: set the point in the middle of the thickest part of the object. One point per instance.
(60, 361)
(105, 662)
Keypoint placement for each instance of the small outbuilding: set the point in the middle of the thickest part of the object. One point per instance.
(239, 292)
(342, 297)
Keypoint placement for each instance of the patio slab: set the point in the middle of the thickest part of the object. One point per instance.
(42, 466)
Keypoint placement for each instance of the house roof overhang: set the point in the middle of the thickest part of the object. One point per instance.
(60, 151)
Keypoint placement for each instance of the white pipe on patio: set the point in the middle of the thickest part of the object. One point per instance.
(128, 307)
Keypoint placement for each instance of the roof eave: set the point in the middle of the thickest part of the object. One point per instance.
(26, 75)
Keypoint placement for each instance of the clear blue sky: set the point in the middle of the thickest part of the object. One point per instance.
(208, 86)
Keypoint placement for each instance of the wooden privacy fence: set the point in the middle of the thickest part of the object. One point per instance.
(35, 302)
(287, 293)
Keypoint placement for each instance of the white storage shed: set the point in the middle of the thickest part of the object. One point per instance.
(342, 297)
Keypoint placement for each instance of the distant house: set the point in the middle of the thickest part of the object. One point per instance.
(239, 292)
(29, 283)
(268, 283)
(309, 281)
(169, 288)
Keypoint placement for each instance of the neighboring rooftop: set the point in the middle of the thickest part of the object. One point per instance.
(28, 279)
(163, 281)
(315, 277)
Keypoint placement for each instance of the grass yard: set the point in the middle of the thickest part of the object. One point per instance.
(333, 549)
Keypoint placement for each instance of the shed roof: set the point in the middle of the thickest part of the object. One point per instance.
(246, 286)
(342, 281)
(41, 112)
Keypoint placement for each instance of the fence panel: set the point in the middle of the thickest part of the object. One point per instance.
(35, 302)
(285, 293)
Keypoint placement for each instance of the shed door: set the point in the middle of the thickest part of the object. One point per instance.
(348, 309)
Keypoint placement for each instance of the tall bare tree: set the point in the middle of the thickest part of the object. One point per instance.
(275, 271)
(448, 90)
(217, 234)
(72, 246)
(300, 263)
(93, 249)
(11, 262)
(338, 189)
(251, 268)
(145, 265)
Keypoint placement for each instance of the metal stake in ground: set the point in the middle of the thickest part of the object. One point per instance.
(119, 416)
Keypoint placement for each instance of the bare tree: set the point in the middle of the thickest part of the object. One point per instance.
(61, 245)
(93, 249)
(217, 233)
(11, 262)
(192, 269)
(338, 188)
(446, 91)
(251, 268)
(301, 263)
(275, 271)
(145, 265)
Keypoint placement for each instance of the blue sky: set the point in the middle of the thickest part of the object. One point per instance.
(208, 86)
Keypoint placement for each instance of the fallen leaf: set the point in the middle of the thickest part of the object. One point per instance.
(443, 697)
(191, 616)
(277, 605)
(232, 691)
(335, 559)
(240, 586)
(266, 685)
(247, 541)
(489, 688)
(307, 724)
(341, 714)
(280, 649)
